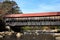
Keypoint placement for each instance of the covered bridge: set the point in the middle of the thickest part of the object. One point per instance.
(46, 19)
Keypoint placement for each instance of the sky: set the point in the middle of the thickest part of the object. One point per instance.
(32, 6)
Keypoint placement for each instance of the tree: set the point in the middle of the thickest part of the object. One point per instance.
(11, 7)
(8, 7)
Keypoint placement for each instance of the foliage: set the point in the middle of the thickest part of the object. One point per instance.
(26, 28)
(9, 7)
(30, 28)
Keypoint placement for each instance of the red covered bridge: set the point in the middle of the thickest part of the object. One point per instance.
(49, 19)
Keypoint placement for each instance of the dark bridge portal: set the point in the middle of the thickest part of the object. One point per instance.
(2, 26)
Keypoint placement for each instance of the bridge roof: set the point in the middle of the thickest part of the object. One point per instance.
(34, 14)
